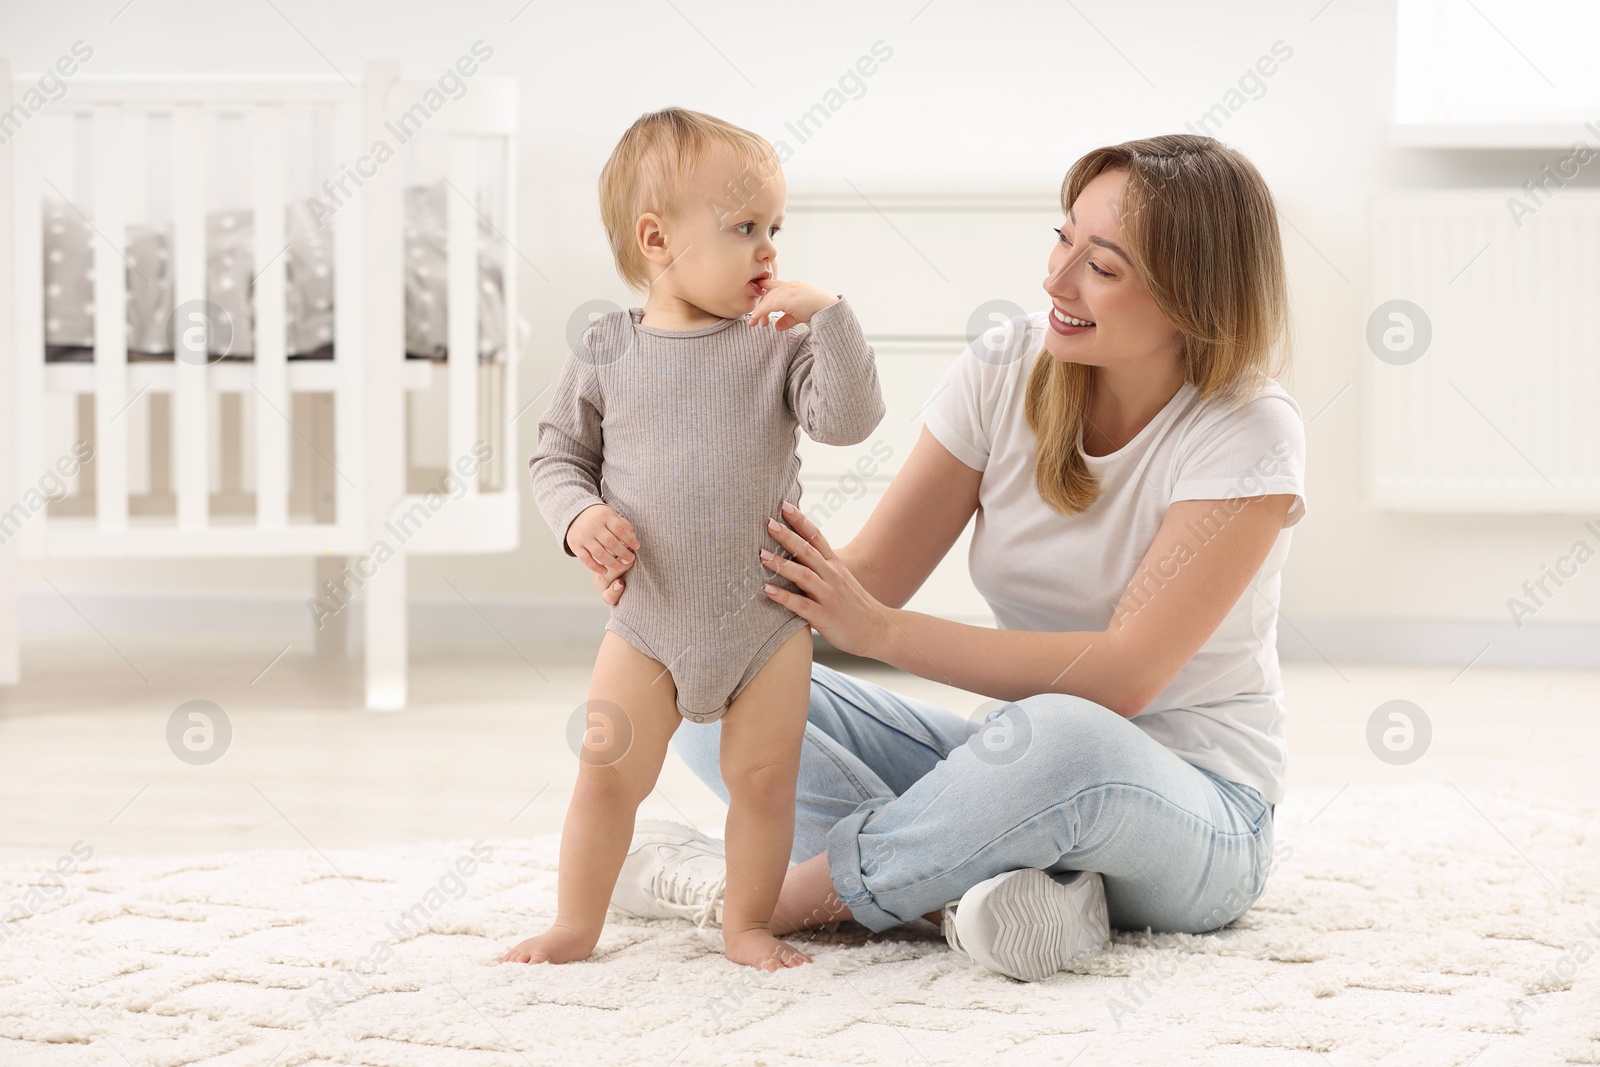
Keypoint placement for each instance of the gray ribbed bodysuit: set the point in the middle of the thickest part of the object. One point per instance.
(690, 435)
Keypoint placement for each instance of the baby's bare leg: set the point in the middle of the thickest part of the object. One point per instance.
(619, 766)
(761, 735)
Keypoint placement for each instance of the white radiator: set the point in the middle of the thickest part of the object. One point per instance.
(1499, 409)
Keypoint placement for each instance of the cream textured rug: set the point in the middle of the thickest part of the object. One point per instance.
(1402, 926)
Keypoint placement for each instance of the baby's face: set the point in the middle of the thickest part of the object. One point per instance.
(721, 235)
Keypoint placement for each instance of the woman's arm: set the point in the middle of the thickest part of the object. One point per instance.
(1178, 596)
(927, 505)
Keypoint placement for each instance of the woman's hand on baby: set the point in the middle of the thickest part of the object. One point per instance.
(830, 597)
(603, 541)
(611, 586)
(797, 300)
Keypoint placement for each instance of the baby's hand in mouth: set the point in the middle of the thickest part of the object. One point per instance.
(797, 301)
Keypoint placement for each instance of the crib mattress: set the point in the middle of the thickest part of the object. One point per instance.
(309, 294)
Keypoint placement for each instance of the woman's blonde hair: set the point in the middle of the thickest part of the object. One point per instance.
(649, 167)
(1200, 225)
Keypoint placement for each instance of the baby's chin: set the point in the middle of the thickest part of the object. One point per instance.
(734, 307)
(725, 304)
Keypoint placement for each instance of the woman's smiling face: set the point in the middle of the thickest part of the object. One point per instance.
(1092, 280)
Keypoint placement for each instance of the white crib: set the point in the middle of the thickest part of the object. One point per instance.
(271, 455)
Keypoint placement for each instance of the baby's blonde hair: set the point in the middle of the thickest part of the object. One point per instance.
(648, 168)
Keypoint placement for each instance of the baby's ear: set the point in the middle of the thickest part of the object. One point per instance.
(652, 239)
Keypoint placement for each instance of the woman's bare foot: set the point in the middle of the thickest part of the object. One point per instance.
(559, 944)
(759, 949)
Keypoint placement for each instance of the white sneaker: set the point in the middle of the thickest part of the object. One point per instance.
(1028, 924)
(671, 872)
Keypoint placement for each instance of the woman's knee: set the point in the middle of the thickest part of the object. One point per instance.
(1066, 710)
(1068, 733)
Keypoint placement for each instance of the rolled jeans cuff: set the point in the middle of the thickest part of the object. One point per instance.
(844, 867)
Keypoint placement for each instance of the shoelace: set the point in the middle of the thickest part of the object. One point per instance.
(668, 890)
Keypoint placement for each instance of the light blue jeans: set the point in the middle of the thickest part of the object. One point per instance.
(914, 805)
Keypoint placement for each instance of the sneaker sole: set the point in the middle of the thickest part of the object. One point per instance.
(1040, 926)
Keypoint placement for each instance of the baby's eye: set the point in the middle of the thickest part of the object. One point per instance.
(774, 231)
(745, 228)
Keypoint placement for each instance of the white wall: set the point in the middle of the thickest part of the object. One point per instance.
(976, 97)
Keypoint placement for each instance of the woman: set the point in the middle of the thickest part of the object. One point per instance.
(1134, 482)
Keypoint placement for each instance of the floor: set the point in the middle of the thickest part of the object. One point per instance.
(1438, 912)
(481, 752)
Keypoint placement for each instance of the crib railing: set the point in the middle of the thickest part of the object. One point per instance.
(366, 382)
(119, 112)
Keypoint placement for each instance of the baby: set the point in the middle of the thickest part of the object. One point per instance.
(668, 446)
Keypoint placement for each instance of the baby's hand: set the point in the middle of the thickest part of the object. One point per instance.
(797, 300)
(603, 540)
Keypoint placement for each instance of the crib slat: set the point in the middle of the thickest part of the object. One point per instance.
(10, 667)
(272, 432)
(135, 170)
(110, 324)
(461, 249)
(28, 323)
(383, 358)
(350, 339)
(139, 433)
(191, 330)
(505, 441)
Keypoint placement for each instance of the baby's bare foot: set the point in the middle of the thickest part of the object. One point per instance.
(559, 944)
(758, 948)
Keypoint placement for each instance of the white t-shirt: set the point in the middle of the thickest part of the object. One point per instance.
(1041, 570)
